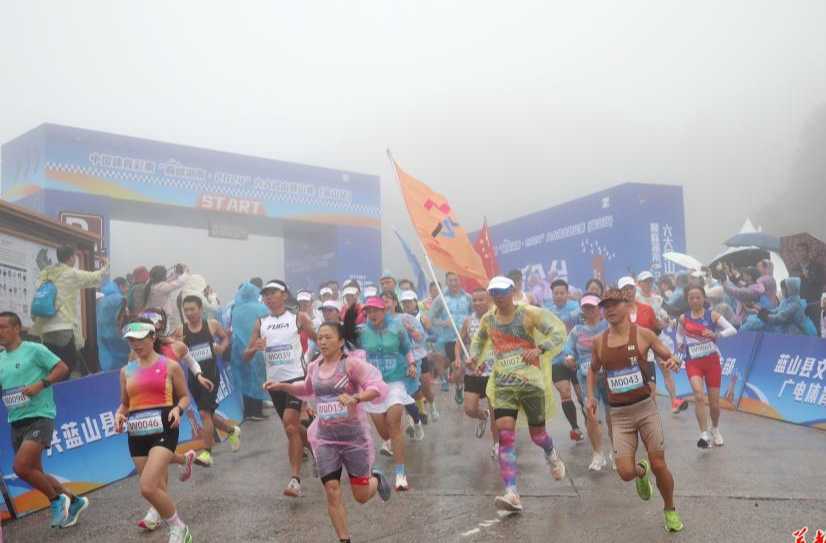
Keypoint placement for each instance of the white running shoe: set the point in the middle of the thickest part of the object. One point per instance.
(482, 425)
(555, 462)
(494, 451)
(151, 521)
(401, 483)
(293, 489)
(717, 437)
(418, 432)
(509, 502)
(409, 430)
(179, 535)
(386, 449)
(597, 463)
(434, 413)
(705, 440)
(185, 471)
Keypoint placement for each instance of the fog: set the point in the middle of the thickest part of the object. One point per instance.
(504, 107)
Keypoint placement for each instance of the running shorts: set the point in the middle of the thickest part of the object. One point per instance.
(283, 401)
(630, 423)
(37, 429)
(450, 351)
(427, 365)
(561, 372)
(708, 368)
(140, 445)
(508, 400)
(476, 384)
(204, 399)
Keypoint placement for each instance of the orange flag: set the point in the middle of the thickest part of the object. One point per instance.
(484, 248)
(439, 230)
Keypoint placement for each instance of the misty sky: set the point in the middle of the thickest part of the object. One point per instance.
(529, 104)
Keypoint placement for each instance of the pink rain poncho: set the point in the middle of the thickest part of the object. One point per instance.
(340, 435)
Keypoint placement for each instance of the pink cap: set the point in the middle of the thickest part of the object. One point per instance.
(375, 302)
(589, 299)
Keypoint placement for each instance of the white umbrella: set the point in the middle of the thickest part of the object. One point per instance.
(686, 261)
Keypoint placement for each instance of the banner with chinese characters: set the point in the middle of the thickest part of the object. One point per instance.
(86, 453)
(788, 380)
(736, 355)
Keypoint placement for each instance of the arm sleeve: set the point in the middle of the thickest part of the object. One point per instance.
(191, 364)
(366, 376)
(726, 328)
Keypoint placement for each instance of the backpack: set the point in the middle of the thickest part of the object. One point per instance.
(44, 303)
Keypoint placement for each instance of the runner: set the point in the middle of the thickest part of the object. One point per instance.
(621, 351)
(277, 336)
(577, 352)
(519, 382)
(697, 337)
(519, 296)
(646, 295)
(331, 311)
(418, 339)
(198, 334)
(388, 348)
(642, 315)
(594, 286)
(564, 377)
(460, 305)
(340, 435)
(149, 387)
(476, 382)
(425, 394)
(27, 373)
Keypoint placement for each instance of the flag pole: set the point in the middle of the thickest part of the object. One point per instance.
(430, 267)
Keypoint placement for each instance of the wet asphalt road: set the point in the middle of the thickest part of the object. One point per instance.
(764, 484)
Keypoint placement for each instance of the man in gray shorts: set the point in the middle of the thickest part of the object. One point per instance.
(27, 372)
(622, 353)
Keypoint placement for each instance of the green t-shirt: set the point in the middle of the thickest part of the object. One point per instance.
(27, 365)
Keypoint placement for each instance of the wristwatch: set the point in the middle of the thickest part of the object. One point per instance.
(46, 383)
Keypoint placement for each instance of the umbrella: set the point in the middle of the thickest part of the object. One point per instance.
(683, 260)
(740, 256)
(817, 248)
(754, 239)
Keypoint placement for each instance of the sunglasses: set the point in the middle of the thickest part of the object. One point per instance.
(494, 292)
(151, 316)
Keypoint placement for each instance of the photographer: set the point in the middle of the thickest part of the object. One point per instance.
(160, 288)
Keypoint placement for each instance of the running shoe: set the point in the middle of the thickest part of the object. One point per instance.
(257, 418)
(672, 521)
(705, 441)
(423, 416)
(185, 471)
(644, 487)
(151, 521)
(179, 535)
(308, 454)
(409, 430)
(75, 509)
(445, 386)
(494, 451)
(597, 463)
(482, 425)
(384, 487)
(418, 432)
(205, 459)
(717, 437)
(555, 462)
(434, 413)
(293, 489)
(576, 435)
(60, 510)
(509, 502)
(235, 439)
(678, 405)
(386, 449)
(401, 483)
(459, 396)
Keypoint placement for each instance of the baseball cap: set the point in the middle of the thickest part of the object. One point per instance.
(375, 302)
(138, 330)
(500, 282)
(589, 299)
(330, 304)
(625, 281)
(613, 295)
(304, 296)
(408, 295)
(645, 276)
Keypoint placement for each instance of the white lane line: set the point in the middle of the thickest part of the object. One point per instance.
(471, 532)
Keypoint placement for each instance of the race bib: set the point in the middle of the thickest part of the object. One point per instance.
(201, 352)
(511, 363)
(625, 380)
(331, 410)
(701, 350)
(278, 355)
(15, 399)
(145, 423)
